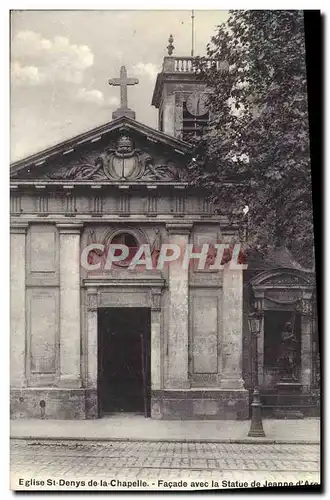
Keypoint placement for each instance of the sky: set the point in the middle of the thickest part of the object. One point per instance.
(61, 62)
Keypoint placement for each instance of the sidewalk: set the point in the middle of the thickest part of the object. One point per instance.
(137, 428)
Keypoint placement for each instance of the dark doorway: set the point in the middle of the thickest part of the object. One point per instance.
(124, 360)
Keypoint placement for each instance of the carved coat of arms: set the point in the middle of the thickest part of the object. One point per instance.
(124, 162)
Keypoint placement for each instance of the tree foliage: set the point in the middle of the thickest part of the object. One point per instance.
(256, 149)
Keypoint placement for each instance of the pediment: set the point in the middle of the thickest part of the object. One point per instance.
(282, 278)
(123, 150)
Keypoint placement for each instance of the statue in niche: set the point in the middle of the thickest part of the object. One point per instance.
(287, 357)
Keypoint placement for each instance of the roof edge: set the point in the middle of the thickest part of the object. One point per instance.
(92, 134)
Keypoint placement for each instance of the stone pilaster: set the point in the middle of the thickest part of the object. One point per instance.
(169, 115)
(231, 345)
(156, 381)
(92, 338)
(177, 373)
(306, 345)
(17, 304)
(70, 305)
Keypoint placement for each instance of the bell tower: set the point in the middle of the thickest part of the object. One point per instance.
(180, 98)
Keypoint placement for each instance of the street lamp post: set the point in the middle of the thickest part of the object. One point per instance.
(256, 428)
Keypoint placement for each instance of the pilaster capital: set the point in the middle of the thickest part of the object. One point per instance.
(305, 307)
(179, 227)
(156, 296)
(69, 228)
(19, 227)
(92, 299)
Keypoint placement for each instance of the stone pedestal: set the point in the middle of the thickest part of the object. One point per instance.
(123, 112)
(200, 403)
(288, 400)
(177, 373)
(70, 305)
(18, 305)
(48, 402)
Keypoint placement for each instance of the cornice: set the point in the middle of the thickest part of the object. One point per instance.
(94, 184)
(18, 227)
(131, 281)
(179, 227)
(176, 77)
(120, 124)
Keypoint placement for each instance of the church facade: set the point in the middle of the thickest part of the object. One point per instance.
(170, 342)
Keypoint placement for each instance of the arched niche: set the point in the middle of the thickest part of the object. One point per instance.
(283, 295)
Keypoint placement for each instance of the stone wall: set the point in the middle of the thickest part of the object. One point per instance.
(54, 358)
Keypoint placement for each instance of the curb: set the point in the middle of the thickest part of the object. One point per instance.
(170, 440)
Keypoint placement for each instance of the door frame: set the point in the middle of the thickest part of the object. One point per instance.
(137, 291)
(146, 344)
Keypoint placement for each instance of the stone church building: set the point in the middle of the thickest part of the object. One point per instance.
(171, 343)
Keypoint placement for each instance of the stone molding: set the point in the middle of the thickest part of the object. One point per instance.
(69, 228)
(282, 278)
(19, 227)
(152, 282)
(95, 286)
(67, 381)
(179, 228)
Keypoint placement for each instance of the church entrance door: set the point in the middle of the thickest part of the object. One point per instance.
(124, 360)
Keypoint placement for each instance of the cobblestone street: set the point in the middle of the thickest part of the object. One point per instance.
(62, 464)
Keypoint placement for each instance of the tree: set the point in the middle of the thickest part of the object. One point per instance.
(256, 149)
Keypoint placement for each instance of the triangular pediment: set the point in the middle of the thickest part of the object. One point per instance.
(121, 150)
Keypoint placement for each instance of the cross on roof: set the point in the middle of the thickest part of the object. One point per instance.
(123, 83)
